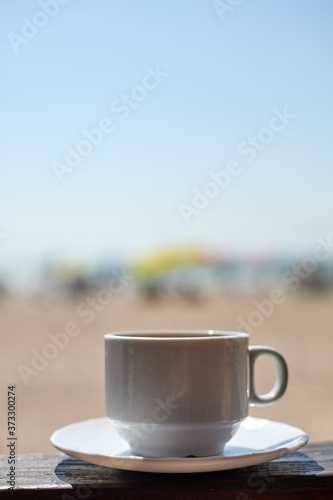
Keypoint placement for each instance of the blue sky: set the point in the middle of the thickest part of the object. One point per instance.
(225, 78)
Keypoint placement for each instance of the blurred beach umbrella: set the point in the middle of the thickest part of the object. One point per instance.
(155, 263)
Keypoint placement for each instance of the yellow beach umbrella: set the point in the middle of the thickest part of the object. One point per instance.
(155, 263)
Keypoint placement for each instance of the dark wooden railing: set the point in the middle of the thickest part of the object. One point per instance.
(305, 474)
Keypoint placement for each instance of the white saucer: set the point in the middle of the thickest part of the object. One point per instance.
(257, 440)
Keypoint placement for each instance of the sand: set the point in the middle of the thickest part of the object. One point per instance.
(70, 387)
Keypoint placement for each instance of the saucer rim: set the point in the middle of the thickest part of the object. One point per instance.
(180, 464)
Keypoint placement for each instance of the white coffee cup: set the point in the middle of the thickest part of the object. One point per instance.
(181, 393)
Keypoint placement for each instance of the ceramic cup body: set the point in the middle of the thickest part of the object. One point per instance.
(179, 393)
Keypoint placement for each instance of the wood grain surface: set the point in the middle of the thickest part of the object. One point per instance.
(305, 474)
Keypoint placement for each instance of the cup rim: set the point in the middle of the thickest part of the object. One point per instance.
(172, 334)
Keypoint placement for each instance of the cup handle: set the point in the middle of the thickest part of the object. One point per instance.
(280, 385)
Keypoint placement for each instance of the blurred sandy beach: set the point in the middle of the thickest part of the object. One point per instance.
(71, 387)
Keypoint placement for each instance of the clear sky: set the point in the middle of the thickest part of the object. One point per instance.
(206, 80)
